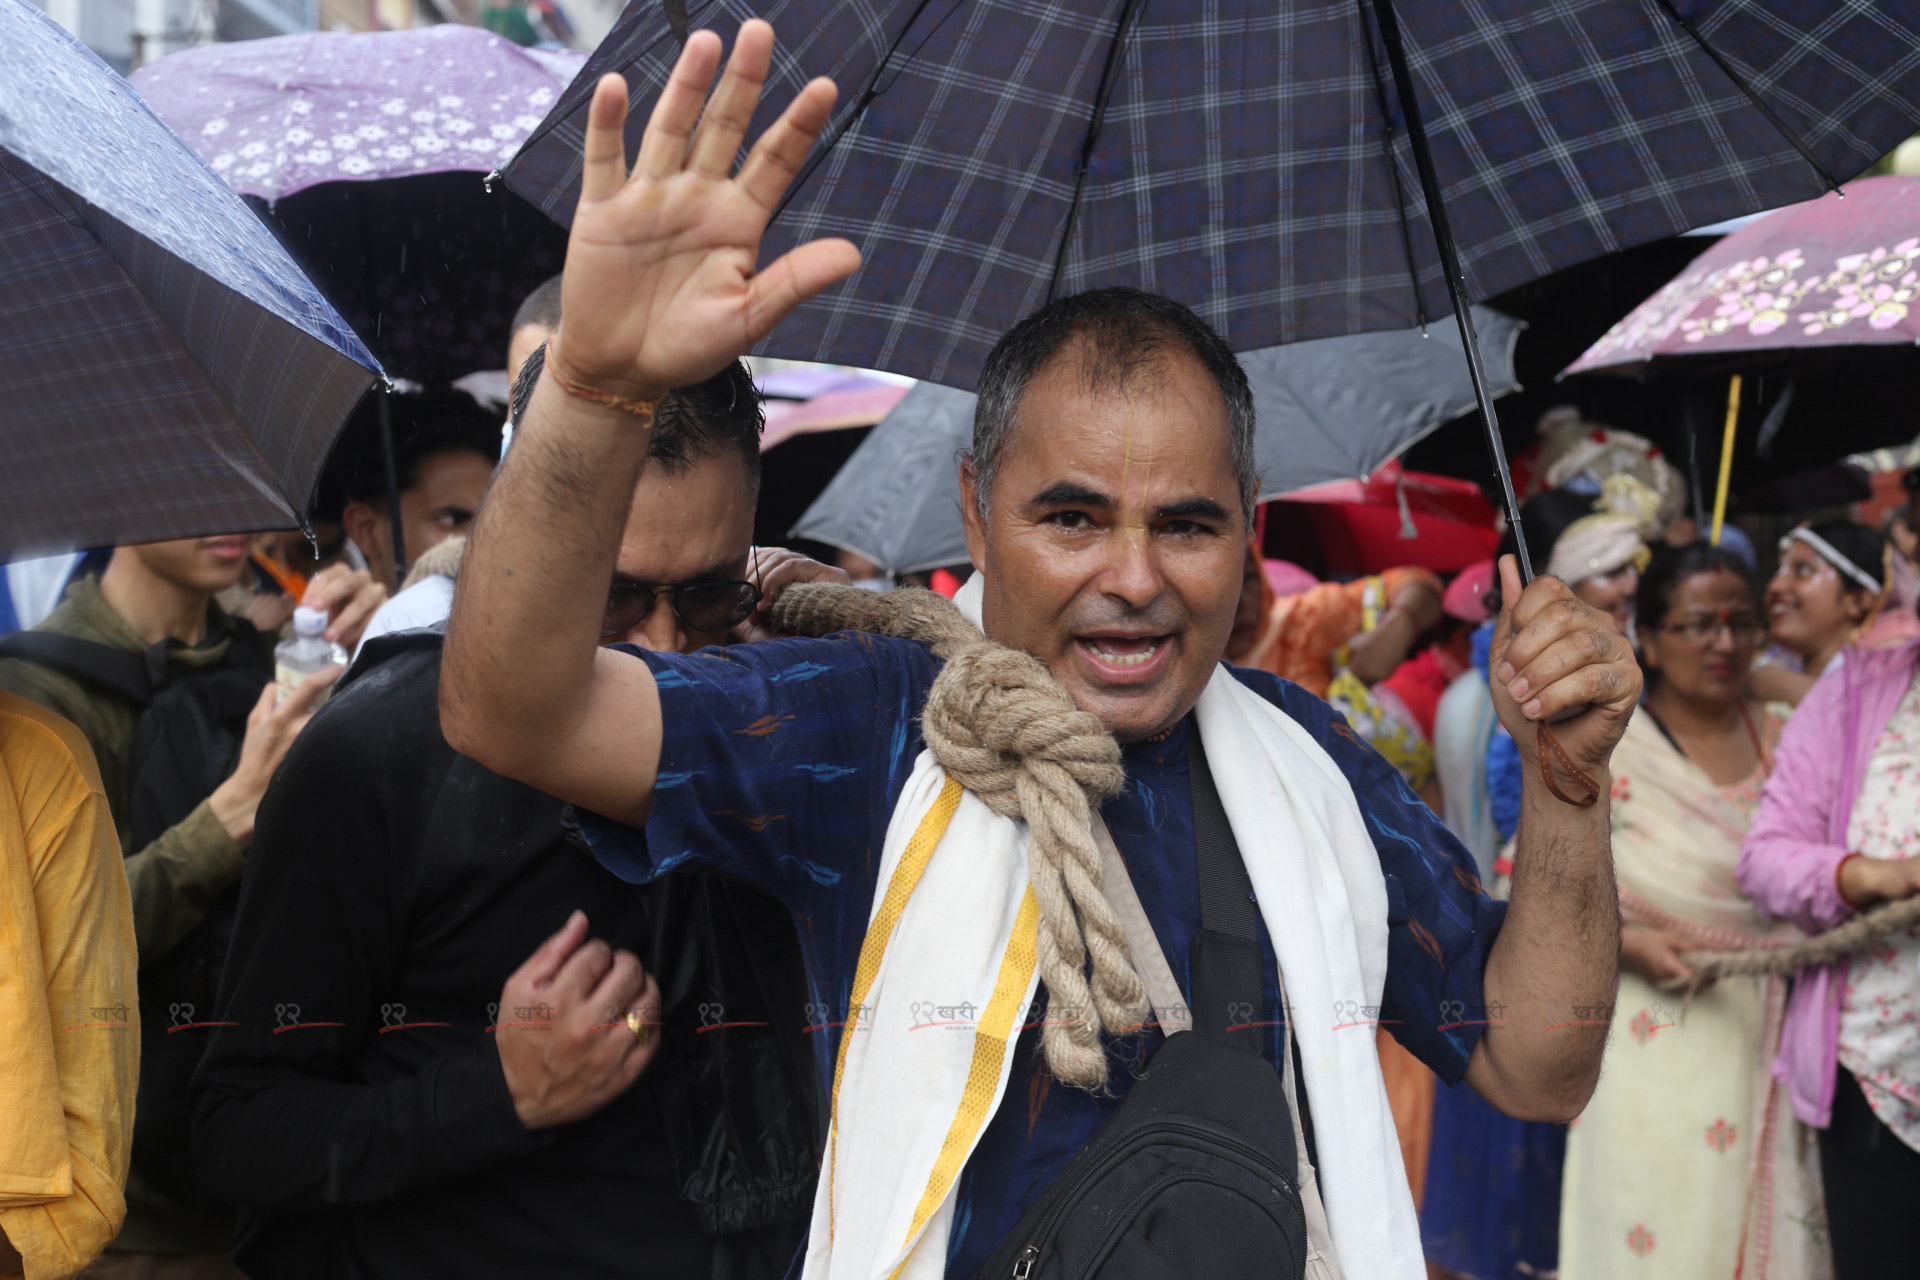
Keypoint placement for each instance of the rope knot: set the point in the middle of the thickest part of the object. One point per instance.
(1001, 725)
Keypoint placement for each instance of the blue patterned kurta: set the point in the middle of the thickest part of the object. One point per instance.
(781, 763)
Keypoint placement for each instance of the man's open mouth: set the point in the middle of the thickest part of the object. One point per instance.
(1132, 651)
(1124, 659)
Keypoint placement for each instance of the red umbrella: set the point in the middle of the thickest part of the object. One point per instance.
(1395, 517)
(1831, 272)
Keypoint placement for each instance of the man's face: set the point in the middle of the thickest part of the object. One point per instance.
(693, 524)
(1115, 544)
(442, 502)
(200, 565)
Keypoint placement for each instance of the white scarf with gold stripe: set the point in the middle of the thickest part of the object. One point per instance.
(948, 969)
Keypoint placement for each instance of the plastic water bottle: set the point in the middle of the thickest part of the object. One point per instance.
(306, 652)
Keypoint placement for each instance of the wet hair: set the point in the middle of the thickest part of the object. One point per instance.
(542, 307)
(1866, 547)
(1661, 580)
(1113, 335)
(707, 420)
(425, 423)
(1671, 566)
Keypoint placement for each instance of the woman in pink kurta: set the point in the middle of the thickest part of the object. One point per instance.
(1839, 830)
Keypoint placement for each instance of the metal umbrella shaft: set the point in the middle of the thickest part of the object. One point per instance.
(390, 463)
(1450, 266)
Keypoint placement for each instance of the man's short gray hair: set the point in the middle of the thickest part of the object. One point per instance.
(1113, 334)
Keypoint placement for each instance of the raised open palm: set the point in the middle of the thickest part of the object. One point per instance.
(663, 285)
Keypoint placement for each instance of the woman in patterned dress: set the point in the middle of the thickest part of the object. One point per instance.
(1839, 831)
(1688, 1163)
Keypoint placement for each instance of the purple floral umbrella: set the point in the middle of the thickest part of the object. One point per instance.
(1832, 272)
(367, 155)
(278, 116)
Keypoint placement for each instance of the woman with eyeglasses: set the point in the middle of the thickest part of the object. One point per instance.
(1830, 585)
(1687, 1162)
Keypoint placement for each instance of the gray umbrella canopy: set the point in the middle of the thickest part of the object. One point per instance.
(1327, 410)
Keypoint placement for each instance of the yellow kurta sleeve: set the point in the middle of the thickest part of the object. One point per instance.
(69, 1018)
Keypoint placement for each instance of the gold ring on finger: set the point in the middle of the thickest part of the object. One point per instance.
(638, 1025)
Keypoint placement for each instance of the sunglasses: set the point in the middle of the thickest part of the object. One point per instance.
(708, 606)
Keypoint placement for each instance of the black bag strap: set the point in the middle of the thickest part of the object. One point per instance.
(115, 670)
(1228, 986)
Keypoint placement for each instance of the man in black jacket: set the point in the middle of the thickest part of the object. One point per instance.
(390, 1096)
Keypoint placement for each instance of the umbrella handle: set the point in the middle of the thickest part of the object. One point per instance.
(1450, 266)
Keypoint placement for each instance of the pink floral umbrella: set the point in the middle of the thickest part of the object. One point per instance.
(1833, 272)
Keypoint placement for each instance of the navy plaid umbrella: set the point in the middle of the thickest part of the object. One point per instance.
(1263, 160)
(169, 372)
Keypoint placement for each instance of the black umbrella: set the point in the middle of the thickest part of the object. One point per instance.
(1266, 163)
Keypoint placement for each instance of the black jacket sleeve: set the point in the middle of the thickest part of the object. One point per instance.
(281, 1117)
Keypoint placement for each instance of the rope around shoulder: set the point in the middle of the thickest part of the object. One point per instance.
(1857, 934)
(1000, 724)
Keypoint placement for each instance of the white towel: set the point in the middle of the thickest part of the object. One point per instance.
(948, 969)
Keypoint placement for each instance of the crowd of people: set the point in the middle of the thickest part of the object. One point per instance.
(627, 899)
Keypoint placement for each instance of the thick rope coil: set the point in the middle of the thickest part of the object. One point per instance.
(1857, 934)
(1005, 729)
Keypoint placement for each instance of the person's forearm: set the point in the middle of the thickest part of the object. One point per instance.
(1419, 603)
(272, 1136)
(533, 584)
(1775, 683)
(1553, 970)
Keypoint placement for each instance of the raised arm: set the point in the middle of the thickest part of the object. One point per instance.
(662, 290)
(1554, 970)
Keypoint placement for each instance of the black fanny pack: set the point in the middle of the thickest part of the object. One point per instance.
(1196, 1175)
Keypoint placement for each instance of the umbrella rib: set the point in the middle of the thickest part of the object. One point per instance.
(1107, 77)
(1740, 83)
(1431, 191)
(868, 93)
(1393, 168)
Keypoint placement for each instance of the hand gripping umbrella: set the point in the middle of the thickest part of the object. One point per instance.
(1289, 170)
(169, 371)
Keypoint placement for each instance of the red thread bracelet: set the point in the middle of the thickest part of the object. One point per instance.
(592, 395)
(1550, 752)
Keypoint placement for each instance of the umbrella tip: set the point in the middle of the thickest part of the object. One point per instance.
(491, 181)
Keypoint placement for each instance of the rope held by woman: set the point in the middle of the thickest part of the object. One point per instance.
(1857, 934)
(1000, 724)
